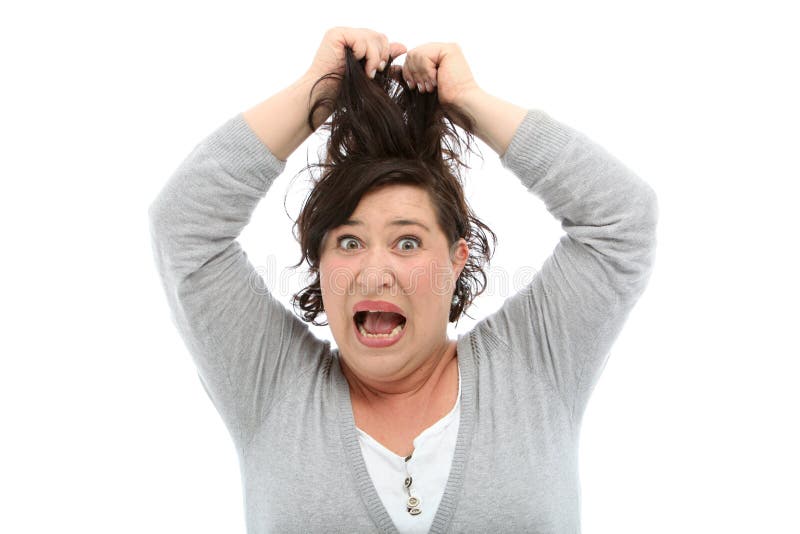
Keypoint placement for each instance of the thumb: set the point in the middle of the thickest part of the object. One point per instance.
(397, 49)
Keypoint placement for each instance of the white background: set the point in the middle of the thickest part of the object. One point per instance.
(105, 426)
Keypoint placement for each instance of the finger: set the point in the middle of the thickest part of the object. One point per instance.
(373, 57)
(407, 75)
(384, 55)
(427, 74)
(359, 47)
(416, 79)
(419, 70)
(430, 81)
(397, 49)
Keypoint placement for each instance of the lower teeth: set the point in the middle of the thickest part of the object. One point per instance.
(393, 333)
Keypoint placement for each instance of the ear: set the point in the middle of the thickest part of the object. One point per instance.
(459, 254)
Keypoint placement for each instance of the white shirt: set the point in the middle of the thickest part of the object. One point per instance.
(429, 468)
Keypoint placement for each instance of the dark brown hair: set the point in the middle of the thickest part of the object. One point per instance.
(382, 133)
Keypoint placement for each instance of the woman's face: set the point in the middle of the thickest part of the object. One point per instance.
(391, 252)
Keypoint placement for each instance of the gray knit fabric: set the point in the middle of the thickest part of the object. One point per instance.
(527, 370)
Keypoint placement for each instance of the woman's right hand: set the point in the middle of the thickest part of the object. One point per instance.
(364, 42)
(281, 121)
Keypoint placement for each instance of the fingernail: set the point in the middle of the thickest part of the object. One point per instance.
(419, 86)
(382, 65)
(372, 74)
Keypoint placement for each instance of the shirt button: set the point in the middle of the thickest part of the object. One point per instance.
(414, 511)
(413, 502)
(407, 482)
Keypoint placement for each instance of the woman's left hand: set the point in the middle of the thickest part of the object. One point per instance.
(440, 65)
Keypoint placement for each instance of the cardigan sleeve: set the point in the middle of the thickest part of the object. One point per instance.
(247, 346)
(573, 310)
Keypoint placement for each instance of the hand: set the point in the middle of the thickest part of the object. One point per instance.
(440, 65)
(364, 42)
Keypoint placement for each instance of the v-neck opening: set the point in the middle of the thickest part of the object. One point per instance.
(437, 427)
(363, 481)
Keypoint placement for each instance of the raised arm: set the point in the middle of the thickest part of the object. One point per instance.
(246, 345)
(572, 312)
(568, 317)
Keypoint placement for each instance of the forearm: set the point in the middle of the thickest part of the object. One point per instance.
(281, 121)
(495, 119)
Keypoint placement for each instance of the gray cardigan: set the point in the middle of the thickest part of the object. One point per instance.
(527, 370)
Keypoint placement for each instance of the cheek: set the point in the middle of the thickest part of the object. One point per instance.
(335, 281)
(431, 279)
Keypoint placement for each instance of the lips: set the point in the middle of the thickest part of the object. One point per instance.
(378, 305)
(389, 335)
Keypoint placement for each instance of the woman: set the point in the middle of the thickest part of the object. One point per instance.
(400, 428)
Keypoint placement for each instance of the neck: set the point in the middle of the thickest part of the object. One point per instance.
(416, 388)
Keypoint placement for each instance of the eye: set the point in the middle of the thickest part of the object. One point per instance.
(409, 243)
(348, 242)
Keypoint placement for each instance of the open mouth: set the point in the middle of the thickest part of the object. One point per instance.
(379, 325)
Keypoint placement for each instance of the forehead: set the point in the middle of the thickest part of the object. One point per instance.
(393, 202)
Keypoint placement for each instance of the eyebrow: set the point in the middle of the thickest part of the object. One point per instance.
(393, 222)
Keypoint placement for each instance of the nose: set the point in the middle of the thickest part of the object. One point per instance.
(376, 272)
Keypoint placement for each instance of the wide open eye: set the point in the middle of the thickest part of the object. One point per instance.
(348, 242)
(408, 243)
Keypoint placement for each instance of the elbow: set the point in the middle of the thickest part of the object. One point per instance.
(641, 254)
(638, 214)
(648, 205)
(158, 215)
(154, 220)
(159, 227)
(155, 225)
(162, 242)
(633, 245)
(638, 227)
